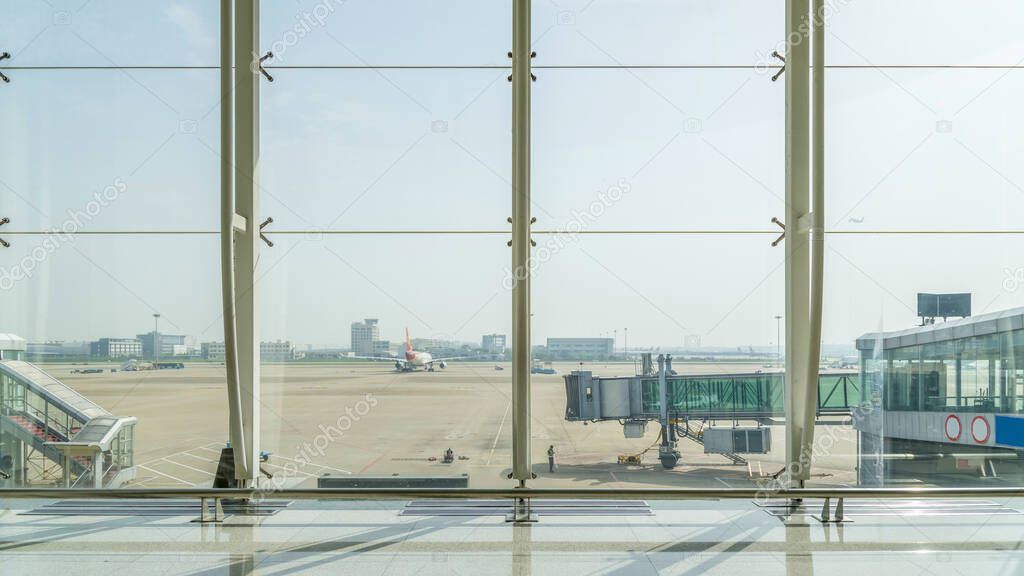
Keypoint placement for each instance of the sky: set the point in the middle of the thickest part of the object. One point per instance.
(919, 161)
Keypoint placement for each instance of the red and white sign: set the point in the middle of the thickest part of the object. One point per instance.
(953, 427)
(980, 429)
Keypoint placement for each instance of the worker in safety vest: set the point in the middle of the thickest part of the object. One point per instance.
(551, 458)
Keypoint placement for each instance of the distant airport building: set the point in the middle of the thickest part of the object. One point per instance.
(364, 334)
(278, 350)
(942, 399)
(116, 348)
(381, 348)
(170, 344)
(44, 349)
(580, 348)
(57, 349)
(493, 343)
(212, 350)
(12, 347)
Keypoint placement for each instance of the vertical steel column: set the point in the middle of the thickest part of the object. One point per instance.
(247, 240)
(817, 224)
(521, 64)
(799, 391)
(227, 236)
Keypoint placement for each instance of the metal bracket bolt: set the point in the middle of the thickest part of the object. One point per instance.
(5, 56)
(533, 220)
(266, 74)
(781, 236)
(3, 242)
(533, 76)
(775, 54)
(263, 237)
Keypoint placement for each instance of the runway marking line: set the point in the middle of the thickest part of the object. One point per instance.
(169, 461)
(498, 433)
(144, 467)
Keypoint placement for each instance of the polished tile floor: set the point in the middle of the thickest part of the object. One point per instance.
(712, 537)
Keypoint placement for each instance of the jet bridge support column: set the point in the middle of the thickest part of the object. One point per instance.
(667, 452)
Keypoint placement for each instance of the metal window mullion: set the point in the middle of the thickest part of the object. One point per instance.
(521, 79)
(227, 211)
(799, 392)
(247, 241)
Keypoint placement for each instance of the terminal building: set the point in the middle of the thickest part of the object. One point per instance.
(116, 348)
(580, 348)
(170, 344)
(943, 399)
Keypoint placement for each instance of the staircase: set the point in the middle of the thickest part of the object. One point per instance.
(35, 434)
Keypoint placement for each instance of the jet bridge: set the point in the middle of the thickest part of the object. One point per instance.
(671, 399)
(711, 397)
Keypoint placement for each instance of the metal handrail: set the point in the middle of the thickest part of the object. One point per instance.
(514, 493)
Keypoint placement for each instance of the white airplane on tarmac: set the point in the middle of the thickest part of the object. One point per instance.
(416, 360)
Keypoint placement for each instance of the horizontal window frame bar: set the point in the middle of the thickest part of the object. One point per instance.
(542, 67)
(652, 232)
(514, 493)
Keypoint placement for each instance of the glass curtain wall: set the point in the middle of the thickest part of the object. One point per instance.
(109, 199)
(386, 167)
(385, 303)
(922, 184)
(658, 164)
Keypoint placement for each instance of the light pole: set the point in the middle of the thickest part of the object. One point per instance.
(156, 337)
(625, 342)
(778, 339)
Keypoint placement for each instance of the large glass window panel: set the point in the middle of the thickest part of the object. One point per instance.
(387, 33)
(601, 302)
(657, 33)
(923, 150)
(327, 410)
(110, 32)
(919, 32)
(657, 149)
(84, 306)
(386, 150)
(111, 150)
(924, 386)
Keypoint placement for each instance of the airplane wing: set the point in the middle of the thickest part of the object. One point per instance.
(375, 358)
(456, 358)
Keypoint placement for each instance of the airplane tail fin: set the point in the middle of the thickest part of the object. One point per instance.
(408, 342)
